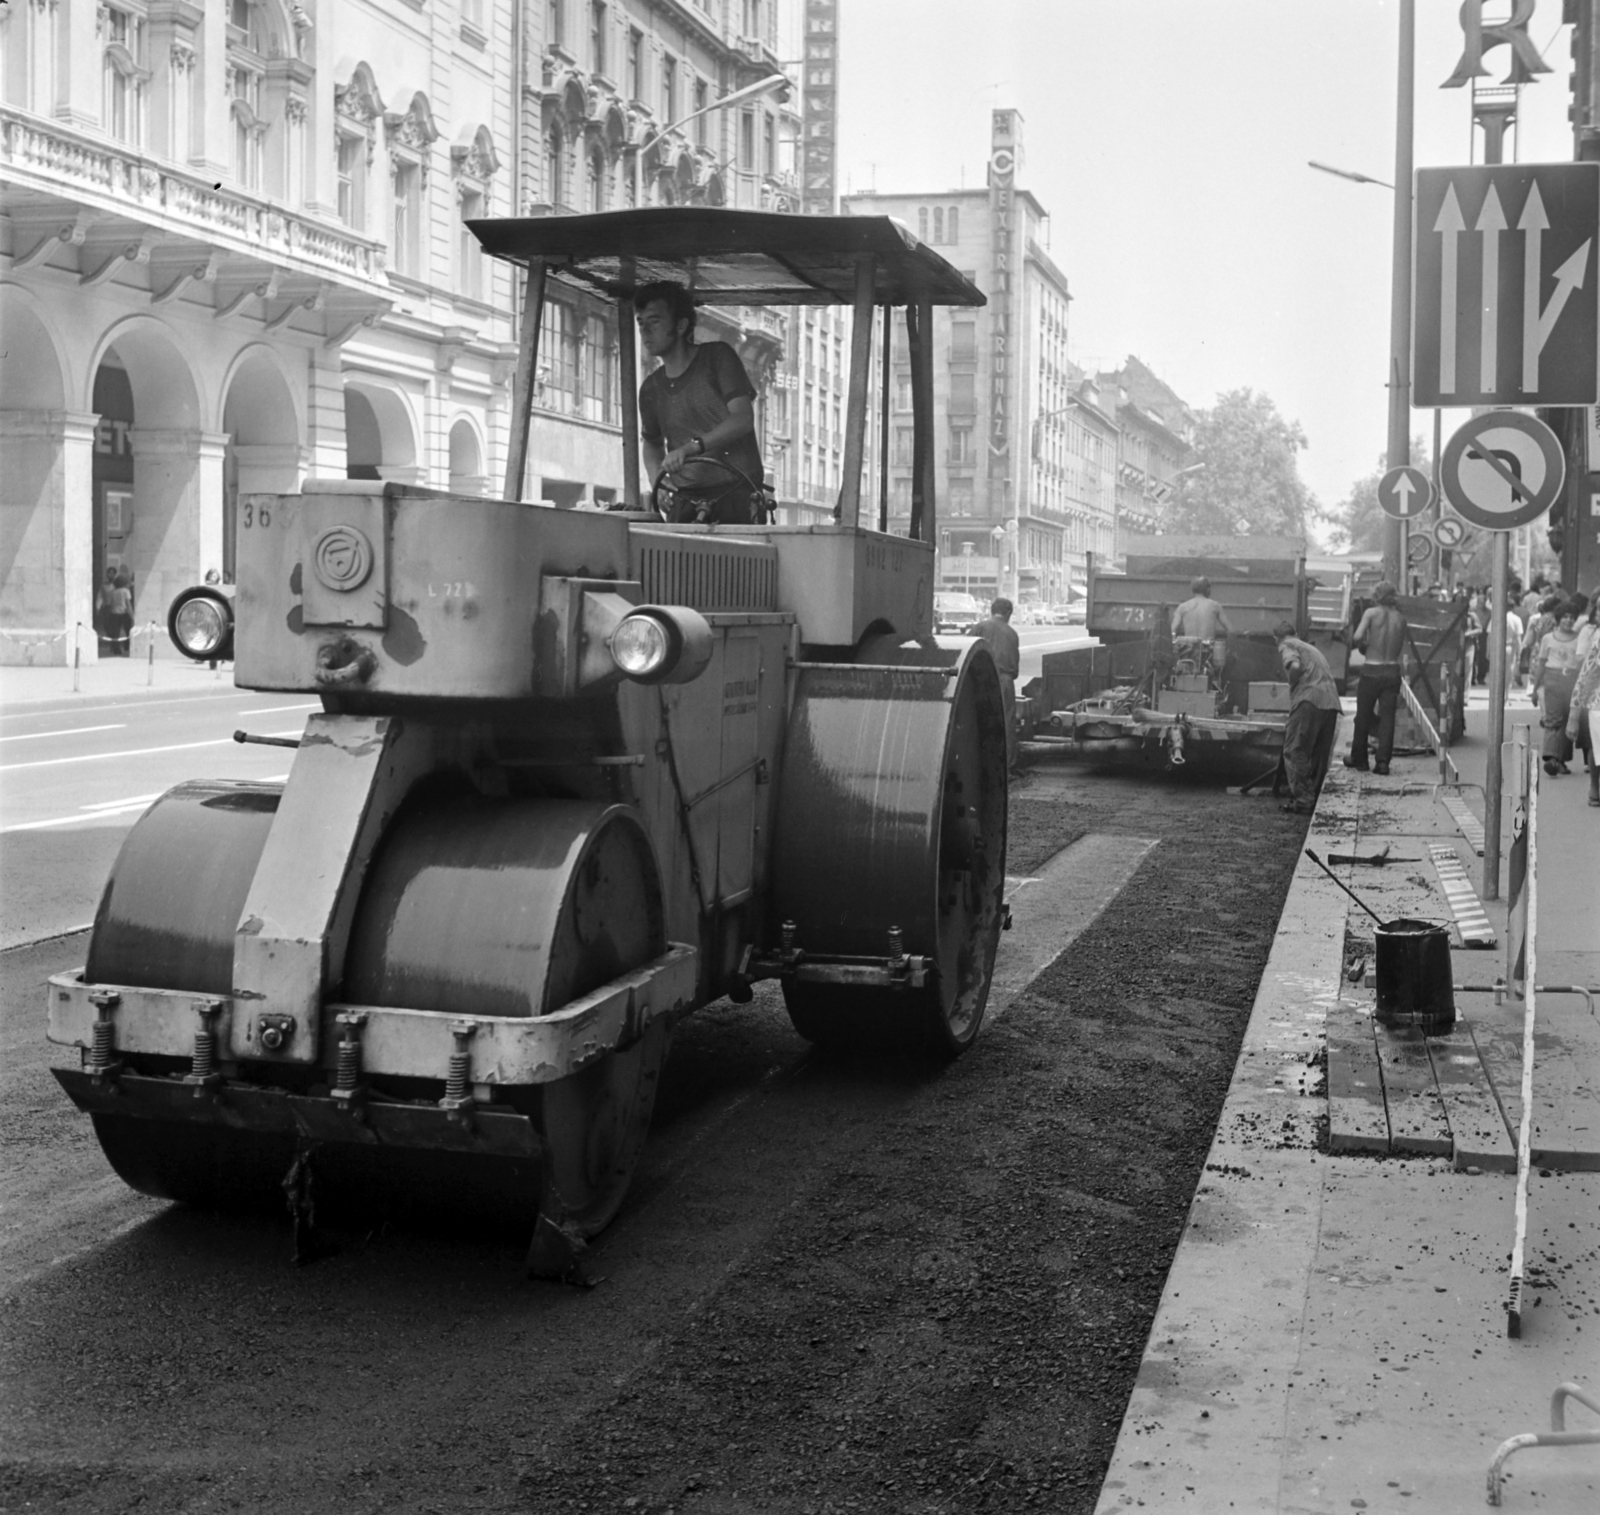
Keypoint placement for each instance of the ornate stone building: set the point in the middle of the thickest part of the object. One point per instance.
(233, 254)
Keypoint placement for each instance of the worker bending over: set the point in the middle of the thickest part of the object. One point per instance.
(1313, 718)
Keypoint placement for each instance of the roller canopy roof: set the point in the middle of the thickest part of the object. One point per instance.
(732, 257)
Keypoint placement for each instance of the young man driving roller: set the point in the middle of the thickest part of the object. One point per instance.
(699, 404)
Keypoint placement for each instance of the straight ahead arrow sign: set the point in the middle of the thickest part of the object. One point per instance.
(1450, 225)
(1491, 222)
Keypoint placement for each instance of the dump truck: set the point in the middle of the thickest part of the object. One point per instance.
(1144, 696)
(575, 774)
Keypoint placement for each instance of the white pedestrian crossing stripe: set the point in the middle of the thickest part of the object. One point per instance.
(1466, 822)
(1472, 921)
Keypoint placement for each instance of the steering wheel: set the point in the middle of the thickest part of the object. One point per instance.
(693, 504)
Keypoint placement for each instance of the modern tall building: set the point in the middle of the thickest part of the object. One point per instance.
(1003, 391)
(233, 255)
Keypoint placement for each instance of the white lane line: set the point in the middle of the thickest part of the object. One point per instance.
(281, 709)
(67, 820)
(100, 757)
(34, 736)
(132, 799)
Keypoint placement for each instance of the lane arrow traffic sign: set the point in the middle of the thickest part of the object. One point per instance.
(1405, 492)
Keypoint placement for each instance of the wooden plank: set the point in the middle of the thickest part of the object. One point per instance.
(1357, 1120)
(1416, 1113)
(1479, 1135)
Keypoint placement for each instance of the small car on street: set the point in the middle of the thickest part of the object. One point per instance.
(955, 611)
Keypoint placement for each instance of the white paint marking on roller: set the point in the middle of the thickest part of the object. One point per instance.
(1058, 906)
(1472, 920)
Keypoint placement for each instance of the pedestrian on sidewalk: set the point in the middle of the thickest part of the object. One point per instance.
(1583, 710)
(1381, 636)
(1513, 648)
(1313, 718)
(119, 613)
(1555, 672)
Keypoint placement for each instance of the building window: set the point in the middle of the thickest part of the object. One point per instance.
(952, 225)
(701, 101)
(961, 497)
(960, 444)
(405, 243)
(594, 187)
(747, 140)
(963, 341)
(599, 369)
(597, 36)
(635, 65)
(904, 444)
(922, 223)
(769, 146)
(938, 223)
(352, 177)
(902, 391)
(752, 20)
(469, 259)
(472, 14)
(555, 16)
(124, 75)
(555, 379)
(554, 158)
(669, 90)
(963, 394)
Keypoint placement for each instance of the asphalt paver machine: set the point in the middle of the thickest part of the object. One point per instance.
(576, 774)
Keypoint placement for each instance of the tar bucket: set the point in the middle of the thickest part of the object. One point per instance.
(1413, 975)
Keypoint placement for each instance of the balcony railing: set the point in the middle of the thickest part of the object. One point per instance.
(63, 164)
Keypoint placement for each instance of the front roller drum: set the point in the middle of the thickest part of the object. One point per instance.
(892, 816)
(470, 906)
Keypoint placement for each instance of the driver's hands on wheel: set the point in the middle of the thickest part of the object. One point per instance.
(674, 460)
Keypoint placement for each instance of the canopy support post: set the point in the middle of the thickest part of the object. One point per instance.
(522, 384)
(919, 327)
(886, 402)
(628, 383)
(848, 508)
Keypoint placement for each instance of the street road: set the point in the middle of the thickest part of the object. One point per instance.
(75, 775)
(837, 1283)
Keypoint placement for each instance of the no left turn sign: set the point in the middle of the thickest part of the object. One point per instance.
(1502, 469)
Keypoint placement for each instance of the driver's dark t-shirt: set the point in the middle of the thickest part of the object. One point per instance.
(671, 411)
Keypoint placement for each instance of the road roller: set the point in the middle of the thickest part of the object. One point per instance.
(575, 774)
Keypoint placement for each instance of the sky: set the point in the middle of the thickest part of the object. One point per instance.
(1168, 140)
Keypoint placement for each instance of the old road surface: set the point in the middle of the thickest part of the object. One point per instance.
(837, 1285)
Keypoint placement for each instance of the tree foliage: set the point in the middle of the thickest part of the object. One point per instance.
(1250, 483)
(1358, 519)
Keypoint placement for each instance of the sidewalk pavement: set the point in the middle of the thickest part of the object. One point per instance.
(110, 678)
(1333, 1333)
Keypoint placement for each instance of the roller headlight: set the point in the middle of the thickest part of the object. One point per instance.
(661, 644)
(641, 646)
(200, 624)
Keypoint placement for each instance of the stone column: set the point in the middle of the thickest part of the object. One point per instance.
(212, 450)
(45, 535)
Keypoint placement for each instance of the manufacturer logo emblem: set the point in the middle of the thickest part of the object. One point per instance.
(342, 558)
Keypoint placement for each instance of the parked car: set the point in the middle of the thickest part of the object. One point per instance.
(954, 611)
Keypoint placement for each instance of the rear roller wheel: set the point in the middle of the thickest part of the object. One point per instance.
(166, 921)
(894, 815)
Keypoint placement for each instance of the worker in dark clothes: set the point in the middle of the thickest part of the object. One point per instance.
(1006, 648)
(1381, 635)
(699, 404)
(1313, 718)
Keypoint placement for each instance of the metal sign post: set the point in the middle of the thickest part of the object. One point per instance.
(1501, 470)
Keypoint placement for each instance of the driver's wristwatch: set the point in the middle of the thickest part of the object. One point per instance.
(699, 446)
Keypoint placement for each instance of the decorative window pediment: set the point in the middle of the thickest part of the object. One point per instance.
(415, 129)
(476, 159)
(125, 63)
(359, 100)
